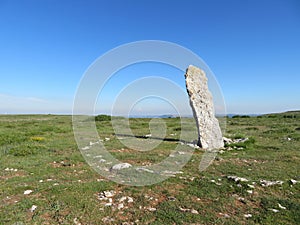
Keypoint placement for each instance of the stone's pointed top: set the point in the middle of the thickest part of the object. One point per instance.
(192, 67)
(195, 73)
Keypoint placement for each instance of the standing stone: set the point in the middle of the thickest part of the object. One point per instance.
(209, 132)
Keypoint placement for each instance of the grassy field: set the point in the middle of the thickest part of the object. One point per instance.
(39, 153)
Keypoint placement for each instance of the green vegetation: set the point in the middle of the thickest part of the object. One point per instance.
(38, 153)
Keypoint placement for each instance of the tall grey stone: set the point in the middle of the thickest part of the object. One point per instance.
(201, 101)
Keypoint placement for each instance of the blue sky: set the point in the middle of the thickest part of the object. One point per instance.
(252, 47)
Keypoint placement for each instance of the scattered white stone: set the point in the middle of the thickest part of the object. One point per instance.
(107, 219)
(109, 194)
(11, 169)
(148, 135)
(108, 204)
(274, 210)
(120, 206)
(55, 184)
(241, 199)
(27, 192)
(227, 140)
(102, 161)
(248, 215)
(194, 211)
(121, 166)
(250, 191)
(289, 139)
(193, 145)
(240, 140)
(76, 221)
(49, 179)
(33, 208)
(237, 179)
(144, 169)
(266, 183)
(41, 181)
(213, 181)
(129, 199)
(107, 139)
(85, 148)
(92, 143)
(171, 172)
(98, 156)
(280, 206)
(224, 214)
(293, 181)
(250, 186)
(151, 209)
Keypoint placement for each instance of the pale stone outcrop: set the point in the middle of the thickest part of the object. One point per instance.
(209, 132)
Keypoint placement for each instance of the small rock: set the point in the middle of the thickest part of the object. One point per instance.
(170, 198)
(266, 183)
(225, 215)
(227, 140)
(152, 209)
(237, 179)
(274, 210)
(33, 208)
(107, 219)
(85, 148)
(248, 215)
(293, 181)
(140, 169)
(194, 211)
(109, 194)
(121, 166)
(129, 199)
(27, 192)
(241, 199)
(250, 191)
(107, 139)
(76, 221)
(120, 206)
(280, 206)
(250, 186)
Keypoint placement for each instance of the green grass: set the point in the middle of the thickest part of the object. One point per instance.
(65, 188)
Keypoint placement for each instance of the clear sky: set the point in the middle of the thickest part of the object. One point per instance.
(252, 46)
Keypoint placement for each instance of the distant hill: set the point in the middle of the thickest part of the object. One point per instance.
(288, 114)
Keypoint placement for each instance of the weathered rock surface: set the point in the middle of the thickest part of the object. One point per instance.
(209, 132)
(121, 166)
